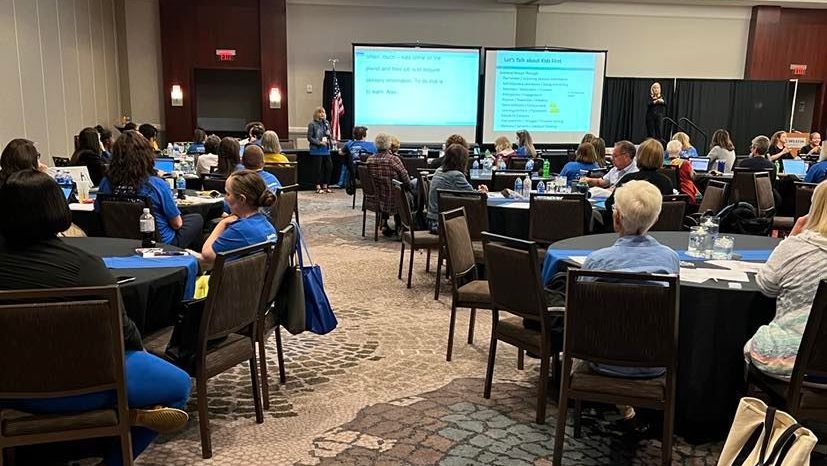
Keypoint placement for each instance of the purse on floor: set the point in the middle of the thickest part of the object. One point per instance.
(318, 312)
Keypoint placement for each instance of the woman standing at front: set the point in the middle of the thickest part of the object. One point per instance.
(318, 134)
(655, 111)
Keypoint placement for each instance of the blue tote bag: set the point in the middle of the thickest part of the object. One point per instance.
(319, 315)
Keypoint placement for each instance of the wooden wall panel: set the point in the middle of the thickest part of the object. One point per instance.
(274, 64)
(238, 30)
(177, 50)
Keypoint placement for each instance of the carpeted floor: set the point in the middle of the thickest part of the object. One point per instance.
(378, 390)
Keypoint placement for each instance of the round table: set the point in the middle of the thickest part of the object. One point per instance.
(153, 298)
(512, 218)
(715, 322)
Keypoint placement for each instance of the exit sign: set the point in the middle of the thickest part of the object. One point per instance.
(225, 54)
(798, 70)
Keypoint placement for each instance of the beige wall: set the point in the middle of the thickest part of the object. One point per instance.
(143, 51)
(60, 70)
(653, 40)
(318, 32)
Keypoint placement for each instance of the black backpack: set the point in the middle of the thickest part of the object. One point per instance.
(742, 218)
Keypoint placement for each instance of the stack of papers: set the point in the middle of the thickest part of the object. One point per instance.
(741, 266)
(702, 275)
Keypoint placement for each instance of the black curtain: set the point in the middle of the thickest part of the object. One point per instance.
(624, 107)
(345, 79)
(708, 103)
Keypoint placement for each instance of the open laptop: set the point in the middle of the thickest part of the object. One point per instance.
(795, 167)
(166, 165)
(700, 164)
(78, 173)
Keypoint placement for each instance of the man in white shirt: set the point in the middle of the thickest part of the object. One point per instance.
(623, 159)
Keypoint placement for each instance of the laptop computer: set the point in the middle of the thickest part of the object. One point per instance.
(795, 167)
(700, 164)
(166, 165)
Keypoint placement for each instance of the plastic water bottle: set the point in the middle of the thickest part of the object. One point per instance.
(475, 169)
(546, 168)
(529, 166)
(518, 186)
(486, 165)
(541, 188)
(181, 186)
(501, 164)
(527, 186)
(147, 225)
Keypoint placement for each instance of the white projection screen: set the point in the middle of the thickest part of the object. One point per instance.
(556, 95)
(421, 94)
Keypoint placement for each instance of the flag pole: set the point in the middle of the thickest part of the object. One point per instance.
(336, 106)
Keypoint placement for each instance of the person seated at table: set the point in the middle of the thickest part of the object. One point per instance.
(791, 275)
(684, 172)
(623, 161)
(817, 171)
(687, 150)
(105, 136)
(384, 167)
(88, 154)
(19, 154)
(209, 158)
(395, 145)
(132, 172)
(253, 159)
(272, 148)
(33, 257)
(778, 147)
(246, 195)
(503, 149)
(649, 159)
(450, 176)
(600, 151)
(585, 160)
(248, 130)
(757, 160)
(525, 145)
(151, 134)
(353, 150)
(722, 149)
(813, 146)
(198, 140)
(636, 208)
(452, 139)
(229, 158)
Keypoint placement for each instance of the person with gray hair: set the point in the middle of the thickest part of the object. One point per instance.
(636, 208)
(758, 156)
(384, 167)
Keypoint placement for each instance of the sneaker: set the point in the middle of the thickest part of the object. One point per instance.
(160, 419)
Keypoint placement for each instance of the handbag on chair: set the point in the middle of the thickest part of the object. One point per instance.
(318, 312)
(763, 436)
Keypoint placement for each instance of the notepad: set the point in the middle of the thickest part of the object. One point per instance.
(740, 266)
(702, 275)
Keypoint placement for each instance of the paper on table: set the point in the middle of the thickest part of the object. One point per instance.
(739, 266)
(701, 275)
(578, 259)
(693, 275)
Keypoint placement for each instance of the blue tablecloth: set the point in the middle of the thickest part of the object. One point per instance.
(138, 262)
(551, 264)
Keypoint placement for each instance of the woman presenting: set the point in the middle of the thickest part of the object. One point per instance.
(318, 134)
(655, 112)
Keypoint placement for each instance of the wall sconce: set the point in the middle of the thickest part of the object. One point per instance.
(275, 97)
(177, 96)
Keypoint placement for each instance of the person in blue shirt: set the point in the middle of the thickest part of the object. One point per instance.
(636, 208)
(253, 159)
(818, 171)
(197, 146)
(246, 226)
(525, 145)
(585, 160)
(132, 172)
(687, 150)
(353, 149)
(106, 142)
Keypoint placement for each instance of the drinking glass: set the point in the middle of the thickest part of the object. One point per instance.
(697, 242)
(722, 247)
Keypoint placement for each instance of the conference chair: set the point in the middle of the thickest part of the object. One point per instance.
(213, 183)
(554, 217)
(519, 163)
(672, 213)
(416, 239)
(120, 215)
(287, 144)
(424, 187)
(671, 173)
(226, 334)
(743, 185)
(798, 397)
(803, 198)
(714, 200)
(62, 342)
(467, 290)
(640, 331)
(414, 164)
(764, 199)
(517, 293)
(272, 310)
(287, 205)
(476, 213)
(370, 201)
(505, 179)
(286, 173)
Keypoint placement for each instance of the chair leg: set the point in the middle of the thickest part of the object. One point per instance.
(438, 274)
(401, 260)
(668, 429)
(560, 431)
(256, 393)
(427, 260)
(492, 355)
(541, 389)
(265, 379)
(377, 219)
(126, 449)
(451, 325)
(364, 220)
(578, 412)
(280, 356)
(410, 266)
(471, 321)
(520, 359)
(203, 417)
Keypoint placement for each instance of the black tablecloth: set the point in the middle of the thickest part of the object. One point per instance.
(508, 221)
(152, 299)
(715, 323)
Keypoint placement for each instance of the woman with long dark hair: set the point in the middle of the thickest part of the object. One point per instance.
(88, 154)
(229, 157)
(132, 171)
(19, 154)
(722, 149)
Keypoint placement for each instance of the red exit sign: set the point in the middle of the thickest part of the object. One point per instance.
(798, 70)
(225, 54)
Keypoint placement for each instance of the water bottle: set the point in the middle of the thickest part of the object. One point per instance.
(721, 165)
(518, 186)
(529, 166)
(170, 151)
(486, 166)
(181, 186)
(527, 186)
(475, 169)
(546, 169)
(501, 164)
(541, 188)
(147, 225)
(68, 183)
(425, 151)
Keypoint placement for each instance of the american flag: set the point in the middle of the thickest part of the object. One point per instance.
(337, 108)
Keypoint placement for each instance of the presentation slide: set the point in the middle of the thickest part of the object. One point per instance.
(556, 95)
(421, 95)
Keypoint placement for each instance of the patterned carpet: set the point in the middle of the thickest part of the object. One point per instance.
(378, 390)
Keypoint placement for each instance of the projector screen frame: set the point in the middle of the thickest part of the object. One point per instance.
(419, 45)
(482, 121)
